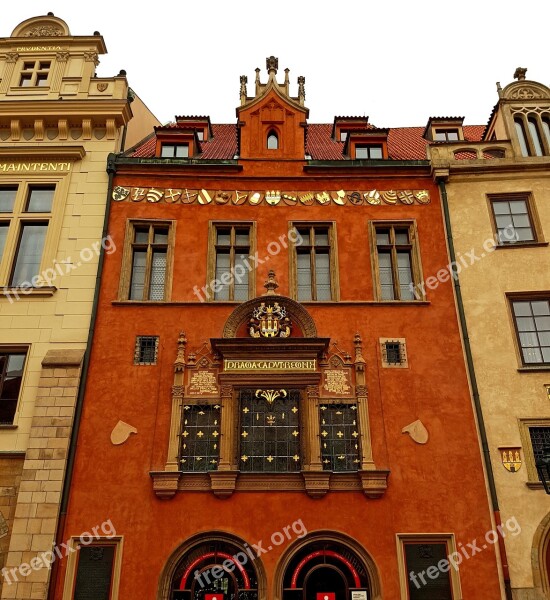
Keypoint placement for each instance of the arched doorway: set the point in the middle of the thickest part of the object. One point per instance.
(212, 568)
(324, 567)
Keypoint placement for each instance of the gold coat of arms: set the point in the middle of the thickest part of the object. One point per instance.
(511, 459)
(269, 321)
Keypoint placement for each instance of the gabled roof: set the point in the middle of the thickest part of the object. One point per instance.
(404, 143)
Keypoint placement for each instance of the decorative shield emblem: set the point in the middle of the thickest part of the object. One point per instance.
(120, 193)
(269, 321)
(101, 87)
(273, 197)
(511, 459)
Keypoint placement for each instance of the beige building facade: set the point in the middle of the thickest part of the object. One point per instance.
(58, 123)
(498, 199)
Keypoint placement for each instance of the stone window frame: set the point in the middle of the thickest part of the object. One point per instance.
(404, 361)
(533, 480)
(361, 439)
(137, 350)
(36, 73)
(213, 227)
(416, 263)
(534, 219)
(72, 564)
(527, 297)
(127, 257)
(333, 259)
(426, 538)
(19, 216)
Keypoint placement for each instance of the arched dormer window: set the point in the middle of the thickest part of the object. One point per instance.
(520, 132)
(272, 140)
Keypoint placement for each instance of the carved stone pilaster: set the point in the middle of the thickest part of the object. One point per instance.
(91, 57)
(374, 483)
(177, 401)
(165, 484)
(11, 57)
(316, 482)
(227, 431)
(313, 436)
(223, 483)
(62, 57)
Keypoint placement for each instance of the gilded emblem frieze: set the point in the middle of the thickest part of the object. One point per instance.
(271, 197)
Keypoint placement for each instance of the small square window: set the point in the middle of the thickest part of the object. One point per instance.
(146, 350)
(394, 352)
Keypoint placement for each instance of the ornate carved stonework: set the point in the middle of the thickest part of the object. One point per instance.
(525, 93)
(241, 315)
(302, 88)
(272, 63)
(43, 31)
(91, 57)
(62, 56)
(11, 57)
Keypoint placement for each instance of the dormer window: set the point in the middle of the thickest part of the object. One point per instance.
(35, 73)
(272, 141)
(368, 152)
(446, 135)
(444, 129)
(174, 151)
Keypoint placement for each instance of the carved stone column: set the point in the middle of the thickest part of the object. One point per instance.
(177, 402)
(316, 480)
(223, 480)
(59, 71)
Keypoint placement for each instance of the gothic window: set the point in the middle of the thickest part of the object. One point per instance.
(272, 140)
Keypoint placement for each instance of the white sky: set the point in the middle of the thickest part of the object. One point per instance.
(397, 61)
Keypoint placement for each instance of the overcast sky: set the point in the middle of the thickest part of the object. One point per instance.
(398, 61)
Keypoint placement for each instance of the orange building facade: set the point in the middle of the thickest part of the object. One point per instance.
(277, 404)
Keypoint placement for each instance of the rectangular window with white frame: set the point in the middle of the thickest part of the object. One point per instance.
(12, 367)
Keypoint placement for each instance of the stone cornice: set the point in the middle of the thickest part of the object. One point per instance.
(43, 151)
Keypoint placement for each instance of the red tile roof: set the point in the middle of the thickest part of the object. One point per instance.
(404, 143)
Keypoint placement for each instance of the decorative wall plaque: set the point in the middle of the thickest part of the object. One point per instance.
(203, 382)
(511, 459)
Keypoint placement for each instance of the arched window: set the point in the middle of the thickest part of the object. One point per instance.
(535, 136)
(520, 132)
(327, 569)
(217, 568)
(272, 140)
(546, 129)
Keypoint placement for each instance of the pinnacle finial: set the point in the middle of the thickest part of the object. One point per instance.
(272, 64)
(519, 73)
(271, 283)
